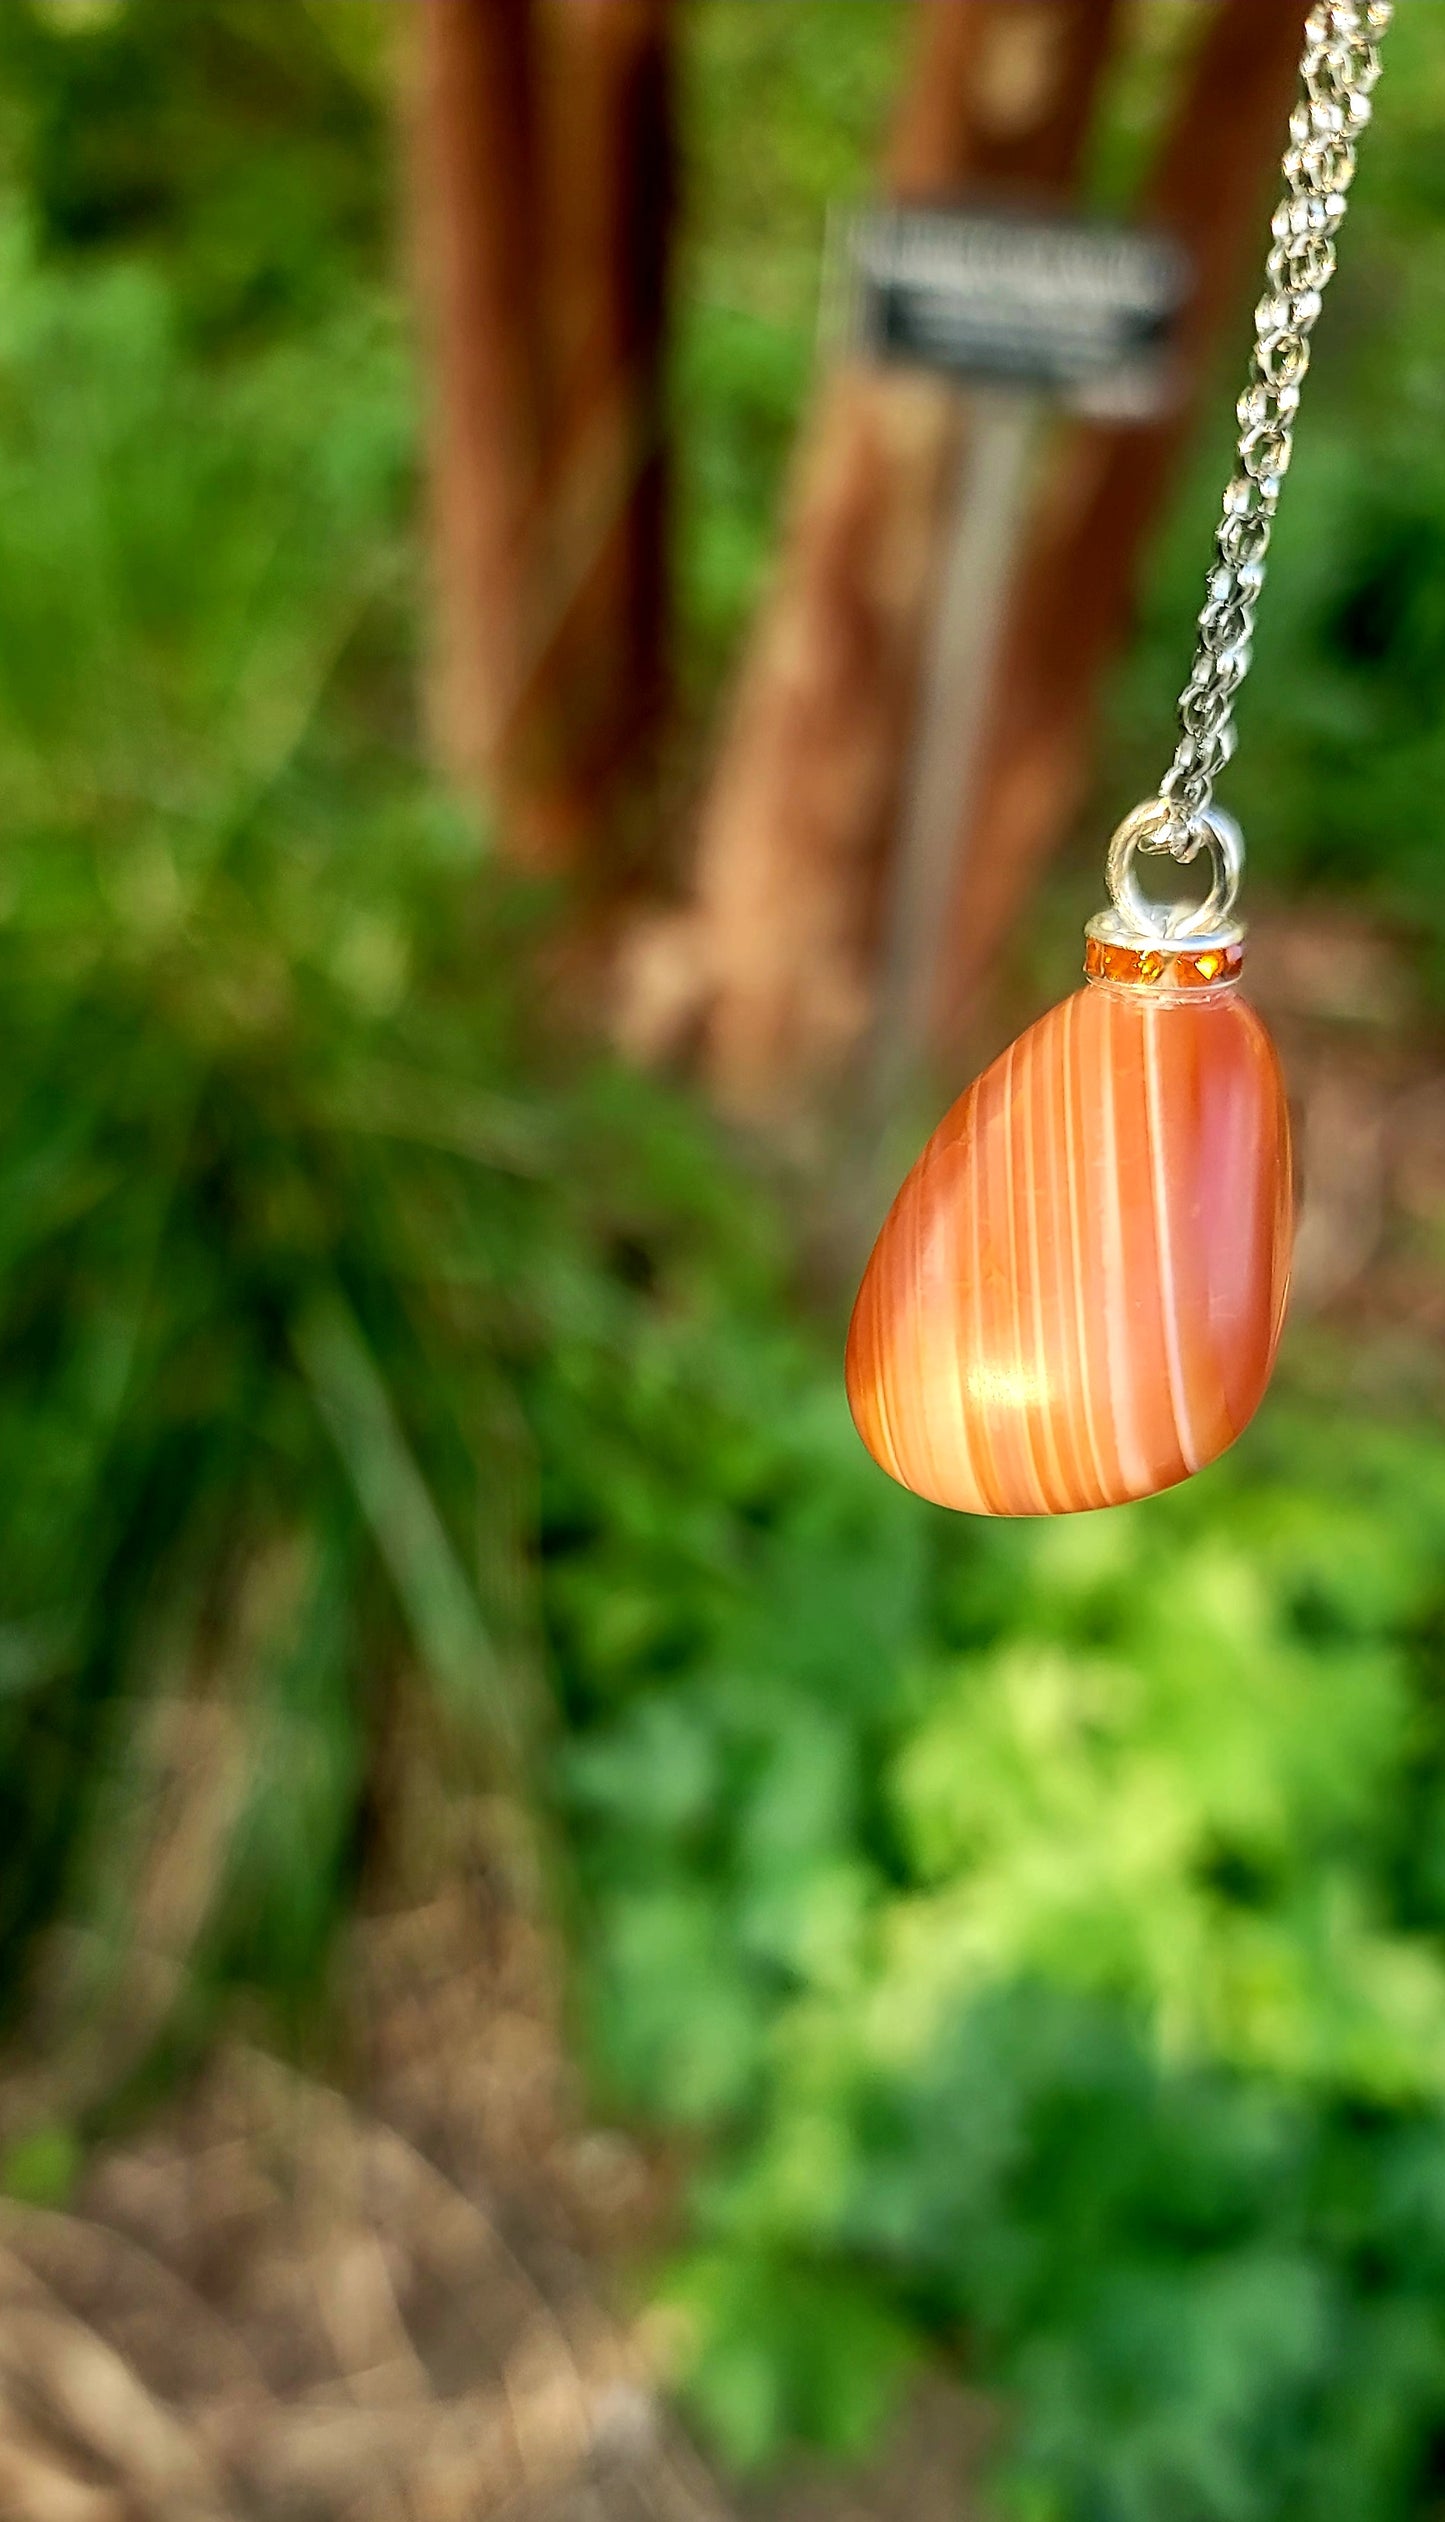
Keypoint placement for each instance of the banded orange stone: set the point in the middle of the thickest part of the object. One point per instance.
(1077, 1296)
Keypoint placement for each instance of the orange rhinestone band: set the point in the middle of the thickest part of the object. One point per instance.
(1163, 967)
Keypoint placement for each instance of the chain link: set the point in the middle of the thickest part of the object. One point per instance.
(1340, 67)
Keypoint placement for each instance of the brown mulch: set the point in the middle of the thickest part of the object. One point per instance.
(282, 2302)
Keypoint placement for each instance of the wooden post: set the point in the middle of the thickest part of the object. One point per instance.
(795, 831)
(1077, 588)
(981, 543)
(477, 200)
(611, 198)
(542, 185)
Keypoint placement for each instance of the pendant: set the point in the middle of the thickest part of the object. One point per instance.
(1077, 1296)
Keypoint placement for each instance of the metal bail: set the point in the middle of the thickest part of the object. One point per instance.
(1136, 917)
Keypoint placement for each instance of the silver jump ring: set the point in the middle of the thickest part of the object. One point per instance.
(1217, 832)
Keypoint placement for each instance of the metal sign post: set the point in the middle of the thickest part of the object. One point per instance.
(1026, 315)
(988, 511)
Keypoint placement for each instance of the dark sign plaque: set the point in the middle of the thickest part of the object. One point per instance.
(1071, 309)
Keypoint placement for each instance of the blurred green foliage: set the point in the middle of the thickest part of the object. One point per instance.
(289, 1223)
(1041, 1930)
(232, 139)
(41, 2168)
(1034, 1937)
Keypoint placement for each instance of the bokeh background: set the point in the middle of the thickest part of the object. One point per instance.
(564, 1949)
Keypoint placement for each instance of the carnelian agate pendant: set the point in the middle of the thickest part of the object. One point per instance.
(1078, 1293)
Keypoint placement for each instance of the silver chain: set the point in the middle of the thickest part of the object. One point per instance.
(1340, 67)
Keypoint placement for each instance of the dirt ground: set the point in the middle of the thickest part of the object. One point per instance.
(398, 2304)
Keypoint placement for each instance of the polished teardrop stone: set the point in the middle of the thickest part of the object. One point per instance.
(1078, 1293)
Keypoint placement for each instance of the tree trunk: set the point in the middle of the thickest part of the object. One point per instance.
(612, 194)
(542, 177)
(794, 836)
